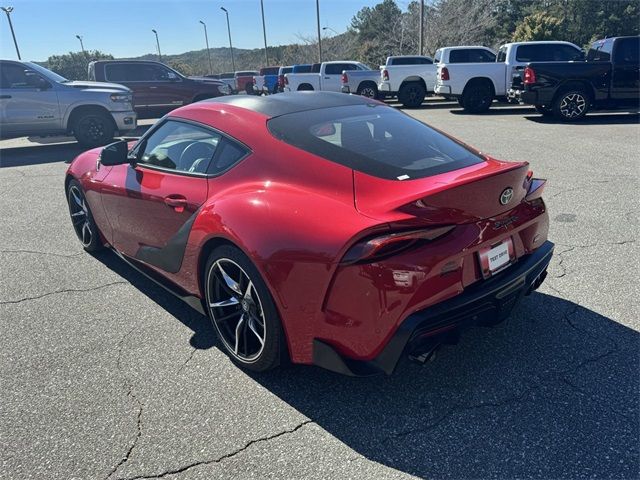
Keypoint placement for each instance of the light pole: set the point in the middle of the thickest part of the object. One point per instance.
(81, 45)
(264, 32)
(8, 11)
(329, 28)
(233, 63)
(319, 38)
(421, 27)
(206, 39)
(157, 45)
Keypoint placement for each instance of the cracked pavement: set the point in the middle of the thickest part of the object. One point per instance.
(105, 376)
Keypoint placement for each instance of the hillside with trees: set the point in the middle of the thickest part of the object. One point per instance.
(385, 29)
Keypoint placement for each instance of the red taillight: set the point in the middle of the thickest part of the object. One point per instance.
(443, 73)
(281, 80)
(254, 81)
(385, 75)
(286, 80)
(345, 78)
(390, 244)
(529, 76)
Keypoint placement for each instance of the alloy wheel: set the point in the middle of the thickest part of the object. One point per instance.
(92, 128)
(236, 310)
(573, 105)
(80, 216)
(369, 92)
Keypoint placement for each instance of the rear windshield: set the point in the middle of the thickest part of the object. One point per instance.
(303, 68)
(374, 139)
(269, 71)
(246, 74)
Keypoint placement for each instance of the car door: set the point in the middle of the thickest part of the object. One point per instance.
(28, 101)
(152, 204)
(625, 82)
(332, 77)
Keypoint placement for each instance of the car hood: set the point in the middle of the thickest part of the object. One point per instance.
(97, 86)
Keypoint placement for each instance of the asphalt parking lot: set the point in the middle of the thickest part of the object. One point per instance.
(103, 375)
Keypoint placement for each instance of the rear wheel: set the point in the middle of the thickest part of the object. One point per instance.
(93, 129)
(242, 310)
(368, 90)
(571, 105)
(477, 97)
(81, 218)
(411, 94)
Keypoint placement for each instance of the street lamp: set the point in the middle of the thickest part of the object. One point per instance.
(206, 39)
(329, 28)
(8, 11)
(319, 37)
(233, 63)
(264, 32)
(157, 45)
(81, 45)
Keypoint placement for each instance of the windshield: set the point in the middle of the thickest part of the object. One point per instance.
(374, 139)
(54, 77)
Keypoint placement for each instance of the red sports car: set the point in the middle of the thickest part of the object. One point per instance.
(323, 228)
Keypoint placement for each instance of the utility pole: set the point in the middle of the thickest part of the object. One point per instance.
(421, 27)
(8, 11)
(206, 39)
(233, 63)
(264, 32)
(82, 46)
(157, 45)
(319, 37)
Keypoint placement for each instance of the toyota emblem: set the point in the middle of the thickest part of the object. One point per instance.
(506, 195)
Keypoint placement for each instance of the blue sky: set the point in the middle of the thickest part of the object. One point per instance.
(123, 27)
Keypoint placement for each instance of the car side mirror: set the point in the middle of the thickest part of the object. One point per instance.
(115, 154)
(35, 80)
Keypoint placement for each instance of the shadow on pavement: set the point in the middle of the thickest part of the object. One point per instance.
(497, 109)
(591, 119)
(551, 393)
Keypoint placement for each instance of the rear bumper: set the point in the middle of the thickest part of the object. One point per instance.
(345, 89)
(486, 302)
(125, 120)
(442, 89)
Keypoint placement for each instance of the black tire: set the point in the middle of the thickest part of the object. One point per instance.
(571, 105)
(369, 90)
(235, 264)
(82, 219)
(544, 110)
(248, 88)
(460, 102)
(477, 97)
(93, 129)
(305, 87)
(411, 94)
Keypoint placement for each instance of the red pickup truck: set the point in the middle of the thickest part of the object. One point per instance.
(244, 81)
(157, 89)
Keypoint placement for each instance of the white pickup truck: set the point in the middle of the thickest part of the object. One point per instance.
(329, 79)
(412, 78)
(475, 85)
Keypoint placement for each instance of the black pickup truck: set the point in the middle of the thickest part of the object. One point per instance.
(608, 79)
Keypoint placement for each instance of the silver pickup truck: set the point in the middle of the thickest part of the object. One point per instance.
(35, 101)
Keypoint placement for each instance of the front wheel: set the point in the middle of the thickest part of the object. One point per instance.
(571, 105)
(81, 218)
(242, 310)
(411, 95)
(93, 129)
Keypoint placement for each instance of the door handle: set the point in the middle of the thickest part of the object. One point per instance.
(5, 96)
(177, 202)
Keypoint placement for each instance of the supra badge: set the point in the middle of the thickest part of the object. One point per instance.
(506, 196)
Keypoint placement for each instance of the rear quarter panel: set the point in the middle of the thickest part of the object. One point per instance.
(550, 76)
(461, 73)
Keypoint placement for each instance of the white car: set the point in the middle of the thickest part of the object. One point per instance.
(329, 79)
(475, 85)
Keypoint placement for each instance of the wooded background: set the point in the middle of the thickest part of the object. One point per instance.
(385, 29)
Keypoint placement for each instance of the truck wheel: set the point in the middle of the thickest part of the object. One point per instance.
(544, 110)
(460, 102)
(368, 90)
(571, 105)
(93, 129)
(411, 94)
(477, 97)
(248, 88)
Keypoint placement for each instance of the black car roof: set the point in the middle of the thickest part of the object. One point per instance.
(291, 102)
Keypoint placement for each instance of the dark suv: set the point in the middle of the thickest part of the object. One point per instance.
(157, 89)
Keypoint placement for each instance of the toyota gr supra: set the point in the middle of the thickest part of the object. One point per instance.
(319, 228)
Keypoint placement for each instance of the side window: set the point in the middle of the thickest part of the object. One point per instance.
(179, 146)
(438, 56)
(502, 55)
(336, 68)
(488, 56)
(479, 55)
(627, 51)
(227, 155)
(13, 76)
(458, 56)
(566, 53)
(425, 61)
